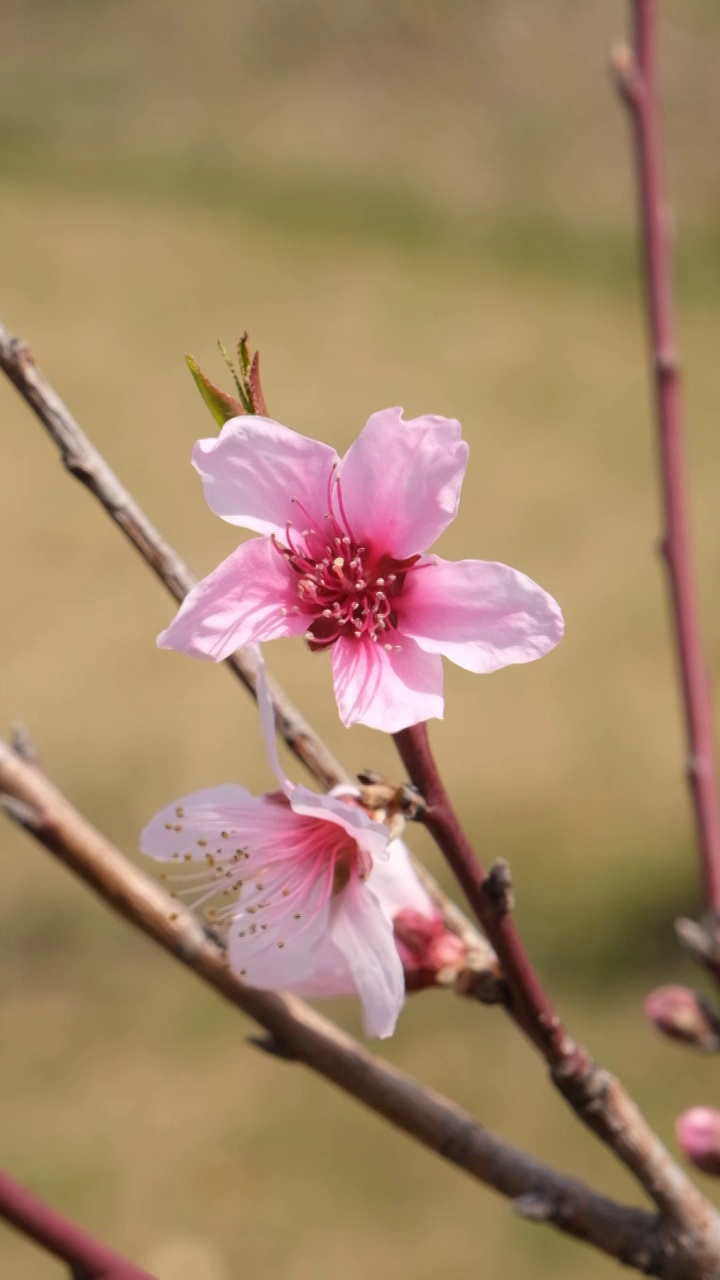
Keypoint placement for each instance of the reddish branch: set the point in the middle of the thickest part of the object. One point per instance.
(86, 1257)
(636, 71)
(597, 1098)
(645, 1241)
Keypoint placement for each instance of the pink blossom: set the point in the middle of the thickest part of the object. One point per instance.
(342, 561)
(311, 885)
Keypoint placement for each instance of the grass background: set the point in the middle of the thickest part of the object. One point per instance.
(421, 203)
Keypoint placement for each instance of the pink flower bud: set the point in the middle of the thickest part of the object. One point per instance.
(698, 1132)
(682, 1014)
(426, 947)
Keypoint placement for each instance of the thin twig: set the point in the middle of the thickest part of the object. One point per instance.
(630, 1235)
(594, 1095)
(636, 75)
(67, 1241)
(83, 460)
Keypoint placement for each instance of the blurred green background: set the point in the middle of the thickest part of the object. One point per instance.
(405, 201)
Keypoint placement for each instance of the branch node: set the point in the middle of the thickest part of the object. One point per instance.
(535, 1207)
(24, 814)
(273, 1047)
(667, 361)
(702, 939)
(22, 743)
(625, 73)
(498, 887)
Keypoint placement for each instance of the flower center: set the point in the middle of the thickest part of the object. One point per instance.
(346, 588)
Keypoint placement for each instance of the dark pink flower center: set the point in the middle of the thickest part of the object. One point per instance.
(347, 589)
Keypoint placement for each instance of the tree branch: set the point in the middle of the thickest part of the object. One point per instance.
(630, 1235)
(84, 1255)
(636, 75)
(594, 1095)
(83, 461)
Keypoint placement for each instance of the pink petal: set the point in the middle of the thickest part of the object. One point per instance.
(255, 467)
(397, 888)
(330, 976)
(193, 824)
(396, 884)
(479, 614)
(271, 949)
(249, 597)
(386, 690)
(363, 933)
(401, 481)
(371, 837)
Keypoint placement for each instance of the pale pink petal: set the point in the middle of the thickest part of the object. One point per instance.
(371, 837)
(397, 886)
(255, 467)
(479, 614)
(249, 597)
(401, 481)
(191, 828)
(387, 690)
(270, 947)
(330, 976)
(362, 931)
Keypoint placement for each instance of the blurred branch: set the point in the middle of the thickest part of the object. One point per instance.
(297, 1032)
(596, 1097)
(85, 1256)
(83, 461)
(636, 76)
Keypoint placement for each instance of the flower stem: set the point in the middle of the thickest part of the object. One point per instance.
(529, 1003)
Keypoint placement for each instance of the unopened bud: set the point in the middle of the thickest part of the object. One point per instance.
(427, 948)
(698, 1132)
(684, 1015)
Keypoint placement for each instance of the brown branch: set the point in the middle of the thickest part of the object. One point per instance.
(83, 461)
(636, 75)
(85, 1256)
(594, 1095)
(630, 1235)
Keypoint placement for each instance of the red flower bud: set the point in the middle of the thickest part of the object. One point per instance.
(684, 1015)
(698, 1132)
(426, 947)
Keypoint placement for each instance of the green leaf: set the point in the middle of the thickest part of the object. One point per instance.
(221, 405)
